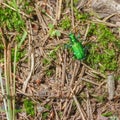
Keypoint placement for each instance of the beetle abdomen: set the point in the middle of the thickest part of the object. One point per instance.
(78, 50)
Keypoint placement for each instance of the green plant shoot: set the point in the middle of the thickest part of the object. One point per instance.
(77, 47)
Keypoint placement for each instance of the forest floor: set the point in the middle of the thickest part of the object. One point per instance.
(43, 79)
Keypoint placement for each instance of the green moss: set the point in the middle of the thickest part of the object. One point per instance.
(49, 72)
(103, 52)
(53, 32)
(27, 6)
(89, 85)
(48, 106)
(75, 2)
(11, 19)
(65, 24)
(45, 61)
(100, 98)
(80, 16)
(45, 115)
(29, 107)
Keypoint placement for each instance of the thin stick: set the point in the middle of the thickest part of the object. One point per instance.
(67, 104)
(57, 5)
(29, 76)
(30, 39)
(93, 71)
(79, 107)
(23, 93)
(89, 108)
(41, 20)
(106, 23)
(70, 108)
(59, 9)
(72, 14)
(57, 118)
(73, 75)
(63, 70)
(108, 17)
(88, 26)
(89, 81)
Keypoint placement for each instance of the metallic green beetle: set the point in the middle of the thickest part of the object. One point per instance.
(77, 47)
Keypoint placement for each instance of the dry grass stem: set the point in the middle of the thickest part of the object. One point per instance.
(72, 14)
(58, 14)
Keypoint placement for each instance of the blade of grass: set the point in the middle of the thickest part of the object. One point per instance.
(23, 39)
(3, 93)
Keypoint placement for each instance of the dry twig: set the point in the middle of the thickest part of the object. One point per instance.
(72, 14)
(79, 107)
(29, 76)
(89, 108)
(58, 14)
